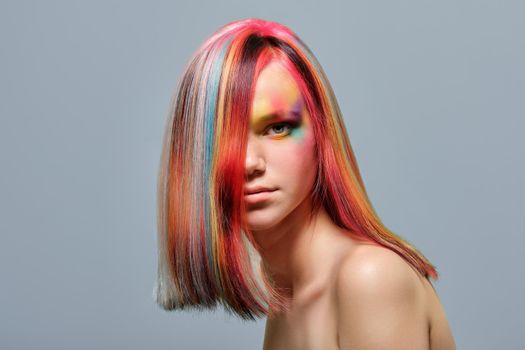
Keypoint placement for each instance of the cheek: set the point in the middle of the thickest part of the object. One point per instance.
(304, 155)
(306, 158)
(295, 160)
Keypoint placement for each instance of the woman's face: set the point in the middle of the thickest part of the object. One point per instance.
(280, 154)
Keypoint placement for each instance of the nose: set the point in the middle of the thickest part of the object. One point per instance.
(255, 162)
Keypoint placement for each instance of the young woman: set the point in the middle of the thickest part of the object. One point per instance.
(262, 207)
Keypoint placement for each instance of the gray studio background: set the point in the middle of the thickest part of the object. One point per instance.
(432, 93)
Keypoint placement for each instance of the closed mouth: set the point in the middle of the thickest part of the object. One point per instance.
(258, 190)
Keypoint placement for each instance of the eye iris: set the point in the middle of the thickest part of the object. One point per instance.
(278, 128)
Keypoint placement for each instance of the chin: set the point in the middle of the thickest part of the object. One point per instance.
(263, 219)
(260, 224)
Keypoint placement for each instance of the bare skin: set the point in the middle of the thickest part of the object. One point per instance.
(314, 321)
(345, 294)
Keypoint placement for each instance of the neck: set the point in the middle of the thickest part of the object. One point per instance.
(298, 252)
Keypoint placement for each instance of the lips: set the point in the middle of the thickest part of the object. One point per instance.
(257, 189)
(258, 194)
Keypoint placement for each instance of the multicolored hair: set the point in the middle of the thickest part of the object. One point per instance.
(206, 252)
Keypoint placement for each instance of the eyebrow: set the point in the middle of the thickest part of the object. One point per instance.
(270, 116)
(294, 114)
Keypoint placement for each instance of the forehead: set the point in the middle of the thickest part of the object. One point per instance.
(275, 91)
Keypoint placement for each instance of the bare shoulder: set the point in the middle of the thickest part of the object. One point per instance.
(369, 268)
(381, 302)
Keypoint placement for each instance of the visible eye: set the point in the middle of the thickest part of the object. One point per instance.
(281, 129)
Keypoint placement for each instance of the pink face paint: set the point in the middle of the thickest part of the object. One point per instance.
(295, 117)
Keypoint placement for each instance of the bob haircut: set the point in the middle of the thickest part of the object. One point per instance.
(206, 253)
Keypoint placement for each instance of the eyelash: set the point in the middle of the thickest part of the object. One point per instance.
(289, 124)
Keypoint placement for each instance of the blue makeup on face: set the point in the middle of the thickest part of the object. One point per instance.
(292, 120)
(297, 116)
